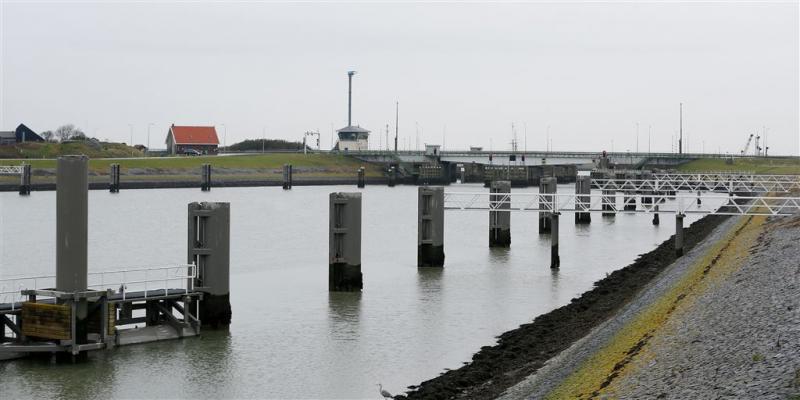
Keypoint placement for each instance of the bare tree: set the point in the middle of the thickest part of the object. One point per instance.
(64, 132)
(48, 136)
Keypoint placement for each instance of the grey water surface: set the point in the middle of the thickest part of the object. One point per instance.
(290, 337)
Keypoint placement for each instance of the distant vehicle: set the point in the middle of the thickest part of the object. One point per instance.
(191, 152)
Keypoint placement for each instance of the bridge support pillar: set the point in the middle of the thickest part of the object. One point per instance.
(608, 202)
(209, 249)
(500, 218)
(205, 183)
(344, 241)
(113, 184)
(583, 186)
(25, 180)
(360, 182)
(698, 198)
(72, 235)
(679, 234)
(430, 223)
(655, 216)
(555, 259)
(546, 186)
(287, 176)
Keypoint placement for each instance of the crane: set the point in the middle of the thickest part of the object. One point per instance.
(747, 145)
(307, 134)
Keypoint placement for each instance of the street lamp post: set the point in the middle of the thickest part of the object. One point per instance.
(131, 126)
(147, 152)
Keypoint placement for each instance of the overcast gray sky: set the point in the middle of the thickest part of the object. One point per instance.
(589, 71)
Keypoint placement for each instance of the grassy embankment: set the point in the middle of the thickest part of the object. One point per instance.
(236, 167)
(774, 166)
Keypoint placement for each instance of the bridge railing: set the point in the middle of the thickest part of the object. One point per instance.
(11, 169)
(745, 184)
(645, 203)
(147, 280)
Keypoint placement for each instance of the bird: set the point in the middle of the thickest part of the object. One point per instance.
(385, 394)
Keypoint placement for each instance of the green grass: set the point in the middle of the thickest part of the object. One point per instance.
(775, 166)
(324, 164)
(52, 150)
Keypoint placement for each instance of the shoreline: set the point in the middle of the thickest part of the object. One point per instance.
(520, 352)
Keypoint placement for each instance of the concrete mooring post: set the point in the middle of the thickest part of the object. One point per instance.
(72, 235)
(546, 186)
(679, 234)
(555, 259)
(500, 216)
(430, 222)
(655, 216)
(360, 182)
(698, 198)
(287, 176)
(209, 250)
(25, 180)
(344, 241)
(583, 188)
(113, 184)
(205, 184)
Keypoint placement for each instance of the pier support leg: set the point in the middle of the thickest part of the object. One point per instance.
(25, 180)
(209, 249)
(609, 203)
(430, 222)
(392, 176)
(344, 243)
(287, 176)
(361, 182)
(698, 198)
(500, 217)
(679, 234)
(113, 184)
(205, 184)
(583, 186)
(546, 186)
(555, 259)
(655, 216)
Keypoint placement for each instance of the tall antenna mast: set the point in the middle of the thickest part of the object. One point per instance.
(349, 96)
(396, 121)
(680, 138)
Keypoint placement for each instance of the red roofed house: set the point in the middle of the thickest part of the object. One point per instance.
(183, 139)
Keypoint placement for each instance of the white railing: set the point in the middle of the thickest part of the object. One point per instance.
(722, 176)
(742, 184)
(145, 280)
(716, 204)
(11, 169)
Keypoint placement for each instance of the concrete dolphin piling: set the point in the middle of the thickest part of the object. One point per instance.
(392, 175)
(361, 182)
(344, 243)
(679, 234)
(546, 186)
(583, 186)
(72, 236)
(655, 215)
(205, 183)
(113, 184)
(555, 259)
(430, 223)
(500, 221)
(25, 180)
(287, 176)
(209, 250)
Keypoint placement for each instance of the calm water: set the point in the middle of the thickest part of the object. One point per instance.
(290, 338)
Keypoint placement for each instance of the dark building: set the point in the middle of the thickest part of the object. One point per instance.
(25, 134)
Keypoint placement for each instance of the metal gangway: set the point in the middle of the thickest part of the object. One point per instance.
(24, 172)
(702, 182)
(163, 292)
(608, 203)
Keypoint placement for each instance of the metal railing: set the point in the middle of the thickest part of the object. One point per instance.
(732, 184)
(643, 203)
(722, 176)
(121, 281)
(11, 169)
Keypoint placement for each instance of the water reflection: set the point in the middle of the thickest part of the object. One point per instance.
(429, 281)
(344, 313)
